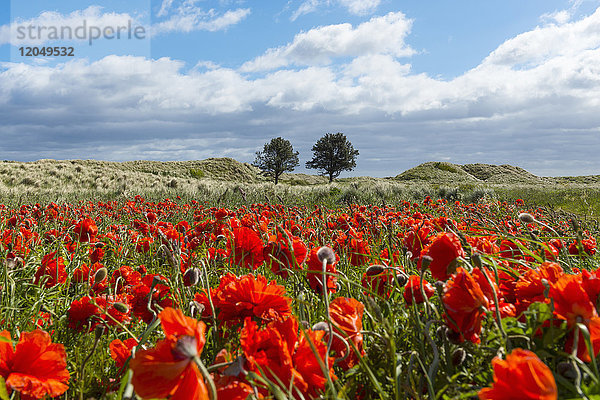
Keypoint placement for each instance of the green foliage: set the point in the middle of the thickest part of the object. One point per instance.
(332, 154)
(197, 173)
(277, 157)
(446, 167)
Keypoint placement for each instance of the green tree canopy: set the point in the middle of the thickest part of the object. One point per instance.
(332, 154)
(277, 157)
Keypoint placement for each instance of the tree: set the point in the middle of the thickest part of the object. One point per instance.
(277, 157)
(332, 154)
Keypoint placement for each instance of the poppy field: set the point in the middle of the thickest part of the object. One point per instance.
(179, 299)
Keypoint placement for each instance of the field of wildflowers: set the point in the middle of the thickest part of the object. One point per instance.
(183, 300)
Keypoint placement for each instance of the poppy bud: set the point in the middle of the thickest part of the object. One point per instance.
(476, 260)
(191, 277)
(374, 308)
(121, 307)
(158, 280)
(453, 337)
(566, 370)
(100, 275)
(441, 332)
(305, 324)
(99, 245)
(526, 218)
(196, 307)
(98, 332)
(439, 286)
(425, 261)
(401, 278)
(321, 326)
(326, 253)
(375, 270)
(458, 356)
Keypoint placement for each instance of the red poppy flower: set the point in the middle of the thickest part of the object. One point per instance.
(168, 369)
(465, 304)
(36, 367)
(357, 249)
(143, 245)
(588, 245)
(346, 314)
(412, 290)
(250, 296)
(530, 289)
(96, 254)
(443, 250)
(88, 312)
(484, 244)
(120, 351)
(571, 303)
(85, 274)
(161, 297)
(416, 239)
(522, 373)
(277, 353)
(54, 268)
(591, 284)
(278, 254)
(247, 248)
(86, 230)
(230, 386)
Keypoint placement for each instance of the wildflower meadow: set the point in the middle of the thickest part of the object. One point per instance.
(182, 299)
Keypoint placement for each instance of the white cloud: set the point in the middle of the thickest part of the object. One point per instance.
(189, 17)
(64, 26)
(544, 43)
(360, 7)
(380, 35)
(357, 7)
(164, 8)
(305, 8)
(559, 17)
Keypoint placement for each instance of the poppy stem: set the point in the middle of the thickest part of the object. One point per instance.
(326, 300)
(207, 378)
(82, 369)
(575, 367)
(497, 303)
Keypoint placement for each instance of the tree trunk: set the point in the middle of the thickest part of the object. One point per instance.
(276, 179)
(330, 177)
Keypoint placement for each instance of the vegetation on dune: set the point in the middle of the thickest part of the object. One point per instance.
(224, 180)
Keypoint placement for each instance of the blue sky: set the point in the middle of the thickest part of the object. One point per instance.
(408, 81)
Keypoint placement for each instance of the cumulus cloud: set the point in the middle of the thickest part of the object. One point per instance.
(539, 87)
(357, 7)
(379, 35)
(544, 43)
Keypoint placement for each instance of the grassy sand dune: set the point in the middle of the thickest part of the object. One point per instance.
(225, 179)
